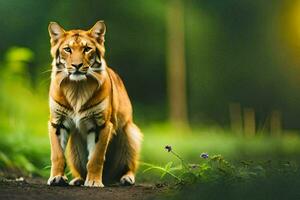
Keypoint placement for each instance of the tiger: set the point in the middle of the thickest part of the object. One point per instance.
(91, 126)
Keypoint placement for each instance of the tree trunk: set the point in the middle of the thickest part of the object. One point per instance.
(176, 72)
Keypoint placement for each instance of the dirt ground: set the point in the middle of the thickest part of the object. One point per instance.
(35, 189)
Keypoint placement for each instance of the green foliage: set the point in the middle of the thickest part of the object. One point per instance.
(214, 169)
(19, 54)
(23, 116)
(167, 169)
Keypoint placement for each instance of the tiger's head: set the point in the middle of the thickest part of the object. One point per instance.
(77, 54)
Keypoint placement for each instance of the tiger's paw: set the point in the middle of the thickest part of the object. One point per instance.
(77, 182)
(93, 183)
(58, 181)
(127, 179)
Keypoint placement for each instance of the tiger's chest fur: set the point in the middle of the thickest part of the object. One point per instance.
(80, 115)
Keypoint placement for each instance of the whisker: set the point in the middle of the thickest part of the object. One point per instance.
(49, 70)
(44, 81)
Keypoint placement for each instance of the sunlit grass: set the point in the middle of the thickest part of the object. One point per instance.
(191, 144)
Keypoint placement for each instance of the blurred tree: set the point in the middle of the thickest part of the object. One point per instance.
(176, 63)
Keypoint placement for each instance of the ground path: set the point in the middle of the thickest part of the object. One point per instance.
(36, 189)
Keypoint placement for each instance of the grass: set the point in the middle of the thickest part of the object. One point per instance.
(31, 152)
(214, 177)
(191, 144)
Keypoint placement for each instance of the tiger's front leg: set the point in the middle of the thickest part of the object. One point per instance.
(58, 140)
(97, 150)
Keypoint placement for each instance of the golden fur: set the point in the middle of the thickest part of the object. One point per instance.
(90, 112)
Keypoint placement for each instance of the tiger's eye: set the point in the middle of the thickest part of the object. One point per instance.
(67, 49)
(86, 49)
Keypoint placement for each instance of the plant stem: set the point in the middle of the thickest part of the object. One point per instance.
(182, 161)
(151, 166)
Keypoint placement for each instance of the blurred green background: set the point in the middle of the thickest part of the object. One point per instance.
(241, 77)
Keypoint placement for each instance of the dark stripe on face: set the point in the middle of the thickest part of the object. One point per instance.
(97, 59)
(98, 54)
(76, 37)
(59, 65)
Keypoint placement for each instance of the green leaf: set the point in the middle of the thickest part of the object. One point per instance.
(5, 159)
(167, 169)
(22, 162)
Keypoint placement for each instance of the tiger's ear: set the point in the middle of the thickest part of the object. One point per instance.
(55, 31)
(98, 31)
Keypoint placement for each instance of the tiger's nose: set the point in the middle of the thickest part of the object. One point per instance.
(77, 66)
